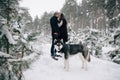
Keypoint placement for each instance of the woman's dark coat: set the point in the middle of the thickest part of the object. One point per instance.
(63, 31)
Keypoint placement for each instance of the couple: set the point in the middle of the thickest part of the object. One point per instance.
(59, 31)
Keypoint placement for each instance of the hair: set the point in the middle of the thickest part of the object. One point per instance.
(62, 16)
(56, 13)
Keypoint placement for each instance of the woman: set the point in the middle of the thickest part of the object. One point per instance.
(63, 28)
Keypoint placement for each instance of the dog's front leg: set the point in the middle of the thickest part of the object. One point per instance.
(85, 64)
(82, 59)
(66, 64)
(82, 65)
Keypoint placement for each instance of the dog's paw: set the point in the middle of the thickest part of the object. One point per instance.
(86, 69)
(67, 70)
(64, 67)
(82, 67)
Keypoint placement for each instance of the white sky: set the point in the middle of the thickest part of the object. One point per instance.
(38, 7)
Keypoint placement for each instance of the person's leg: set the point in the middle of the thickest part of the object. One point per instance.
(52, 48)
(53, 53)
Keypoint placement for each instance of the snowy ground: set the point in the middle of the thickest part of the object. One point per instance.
(46, 68)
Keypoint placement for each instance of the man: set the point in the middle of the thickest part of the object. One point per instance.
(55, 33)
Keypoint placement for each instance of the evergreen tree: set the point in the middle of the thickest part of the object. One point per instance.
(24, 20)
(8, 10)
(13, 39)
(113, 10)
(37, 23)
(70, 10)
(45, 23)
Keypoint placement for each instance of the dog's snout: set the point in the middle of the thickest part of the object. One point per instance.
(59, 48)
(58, 44)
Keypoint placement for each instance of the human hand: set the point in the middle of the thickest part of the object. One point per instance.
(55, 33)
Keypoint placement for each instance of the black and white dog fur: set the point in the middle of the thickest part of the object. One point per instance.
(72, 49)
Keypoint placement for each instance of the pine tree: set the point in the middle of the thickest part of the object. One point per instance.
(24, 20)
(113, 10)
(8, 10)
(13, 39)
(37, 23)
(45, 23)
(70, 10)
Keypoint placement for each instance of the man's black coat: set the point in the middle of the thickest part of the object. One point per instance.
(54, 27)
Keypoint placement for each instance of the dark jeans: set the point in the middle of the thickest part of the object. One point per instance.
(53, 52)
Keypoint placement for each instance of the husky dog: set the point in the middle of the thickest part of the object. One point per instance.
(72, 49)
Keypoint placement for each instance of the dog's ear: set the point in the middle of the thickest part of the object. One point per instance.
(55, 40)
(61, 40)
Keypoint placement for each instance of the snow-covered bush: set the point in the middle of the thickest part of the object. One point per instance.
(96, 40)
(114, 56)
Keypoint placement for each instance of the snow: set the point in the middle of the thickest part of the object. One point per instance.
(5, 55)
(23, 40)
(119, 15)
(45, 68)
(15, 37)
(30, 57)
(107, 49)
(8, 34)
(16, 27)
(26, 58)
(94, 30)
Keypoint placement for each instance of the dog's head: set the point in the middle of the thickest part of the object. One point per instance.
(58, 44)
